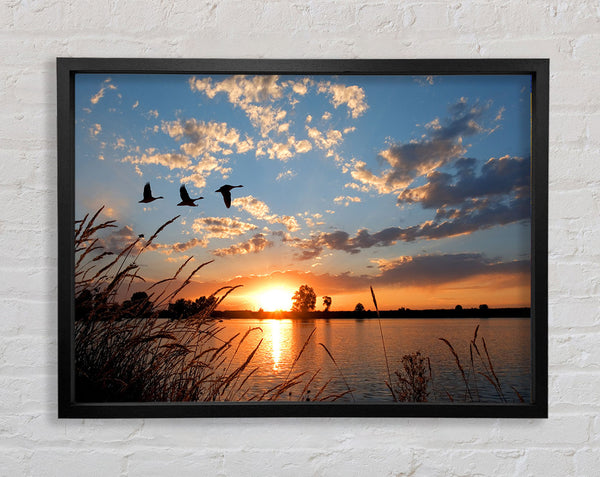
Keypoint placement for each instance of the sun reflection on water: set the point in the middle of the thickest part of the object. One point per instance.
(279, 335)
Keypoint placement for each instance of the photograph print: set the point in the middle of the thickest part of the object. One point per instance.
(302, 238)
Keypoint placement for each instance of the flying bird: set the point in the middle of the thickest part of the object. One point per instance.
(226, 191)
(186, 199)
(148, 195)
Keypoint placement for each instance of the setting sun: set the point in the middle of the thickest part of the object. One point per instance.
(275, 299)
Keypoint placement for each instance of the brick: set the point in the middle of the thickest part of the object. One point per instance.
(547, 462)
(45, 15)
(566, 276)
(333, 16)
(575, 204)
(65, 462)
(467, 462)
(574, 312)
(584, 98)
(559, 430)
(15, 461)
(163, 461)
(575, 350)
(576, 388)
(587, 461)
(380, 17)
(28, 354)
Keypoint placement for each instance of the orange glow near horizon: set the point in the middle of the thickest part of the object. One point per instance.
(497, 291)
(275, 299)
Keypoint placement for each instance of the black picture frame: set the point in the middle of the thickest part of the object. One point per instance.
(67, 68)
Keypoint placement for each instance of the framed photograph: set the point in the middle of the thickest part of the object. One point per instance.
(335, 238)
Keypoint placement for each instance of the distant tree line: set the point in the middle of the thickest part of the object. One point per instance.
(94, 306)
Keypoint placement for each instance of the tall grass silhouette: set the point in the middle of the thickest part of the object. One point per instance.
(124, 350)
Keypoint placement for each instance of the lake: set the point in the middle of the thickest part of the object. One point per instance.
(356, 346)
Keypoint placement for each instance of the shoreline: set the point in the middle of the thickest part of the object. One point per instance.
(468, 313)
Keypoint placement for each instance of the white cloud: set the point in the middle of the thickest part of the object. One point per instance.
(301, 87)
(282, 150)
(245, 145)
(211, 137)
(95, 98)
(221, 227)
(352, 96)
(203, 168)
(265, 118)
(253, 245)
(346, 200)
(100, 94)
(425, 80)
(170, 160)
(95, 129)
(253, 95)
(241, 90)
(325, 140)
(285, 175)
(260, 210)
(302, 146)
(326, 116)
(169, 248)
(179, 258)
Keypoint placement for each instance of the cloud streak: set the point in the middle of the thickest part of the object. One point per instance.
(255, 244)
(221, 227)
(474, 216)
(410, 160)
(100, 94)
(178, 247)
(502, 176)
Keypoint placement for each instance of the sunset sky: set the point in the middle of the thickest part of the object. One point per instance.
(417, 186)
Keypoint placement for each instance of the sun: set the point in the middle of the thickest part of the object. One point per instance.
(275, 299)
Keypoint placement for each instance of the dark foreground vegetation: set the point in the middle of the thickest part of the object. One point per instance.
(125, 351)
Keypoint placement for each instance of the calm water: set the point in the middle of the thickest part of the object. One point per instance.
(357, 348)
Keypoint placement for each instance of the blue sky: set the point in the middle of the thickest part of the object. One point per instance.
(418, 186)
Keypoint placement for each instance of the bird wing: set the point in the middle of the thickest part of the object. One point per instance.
(227, 198)
(184, 193)
(147, 191)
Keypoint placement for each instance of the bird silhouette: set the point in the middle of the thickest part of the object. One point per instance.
(186, 199)
(226, 191)
(148, 195)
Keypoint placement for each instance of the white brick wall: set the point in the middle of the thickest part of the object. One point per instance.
(33, 33)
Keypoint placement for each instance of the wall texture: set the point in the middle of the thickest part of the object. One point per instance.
(33, 33)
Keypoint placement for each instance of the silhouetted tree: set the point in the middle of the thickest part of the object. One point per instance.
(326, 302)
(304, 299)
(139, 296)
(359, 308)
(483, 307)
(138, 306)
(458, 307)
